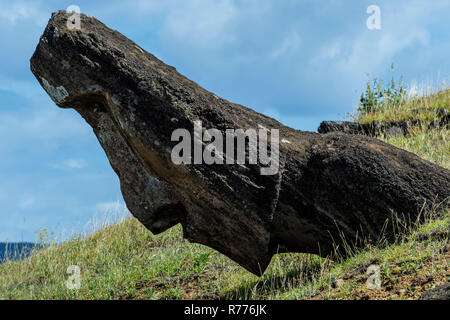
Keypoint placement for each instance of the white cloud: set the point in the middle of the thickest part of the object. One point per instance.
(345, 59)
(369, 50)
(290, 45)
(70, 164)
(110, 206)
(75, 163)
(26, 202)
(378, 53)
(201, 22)
(13, 12)
(26, 89)
(330, 51)
(40, 124)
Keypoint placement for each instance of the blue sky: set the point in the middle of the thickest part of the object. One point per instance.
(299, 61)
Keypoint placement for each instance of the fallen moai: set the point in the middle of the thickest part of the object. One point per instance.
(329, 187)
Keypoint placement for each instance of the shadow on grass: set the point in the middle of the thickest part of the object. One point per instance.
(273, 283)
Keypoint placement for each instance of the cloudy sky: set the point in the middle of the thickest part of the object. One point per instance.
(300, 61)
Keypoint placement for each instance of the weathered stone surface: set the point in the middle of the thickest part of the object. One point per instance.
(329, 186)
(388, 129)
(438, 293)
(342, 126)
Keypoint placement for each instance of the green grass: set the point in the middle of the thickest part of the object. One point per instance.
(125, 261)
(432, 145)
(425, 108)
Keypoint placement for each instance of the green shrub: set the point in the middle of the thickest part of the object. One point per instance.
(377, 96)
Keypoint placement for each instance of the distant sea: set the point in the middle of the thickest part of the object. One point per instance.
(16, 250)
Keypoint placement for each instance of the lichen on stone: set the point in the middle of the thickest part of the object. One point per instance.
(58, 94)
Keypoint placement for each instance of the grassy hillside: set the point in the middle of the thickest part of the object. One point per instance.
(125, 261)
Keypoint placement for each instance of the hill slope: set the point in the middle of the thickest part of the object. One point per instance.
(125, 261)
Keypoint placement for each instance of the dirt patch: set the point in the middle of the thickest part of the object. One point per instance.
(401, 284)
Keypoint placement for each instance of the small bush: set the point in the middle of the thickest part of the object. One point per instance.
(377, 97)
